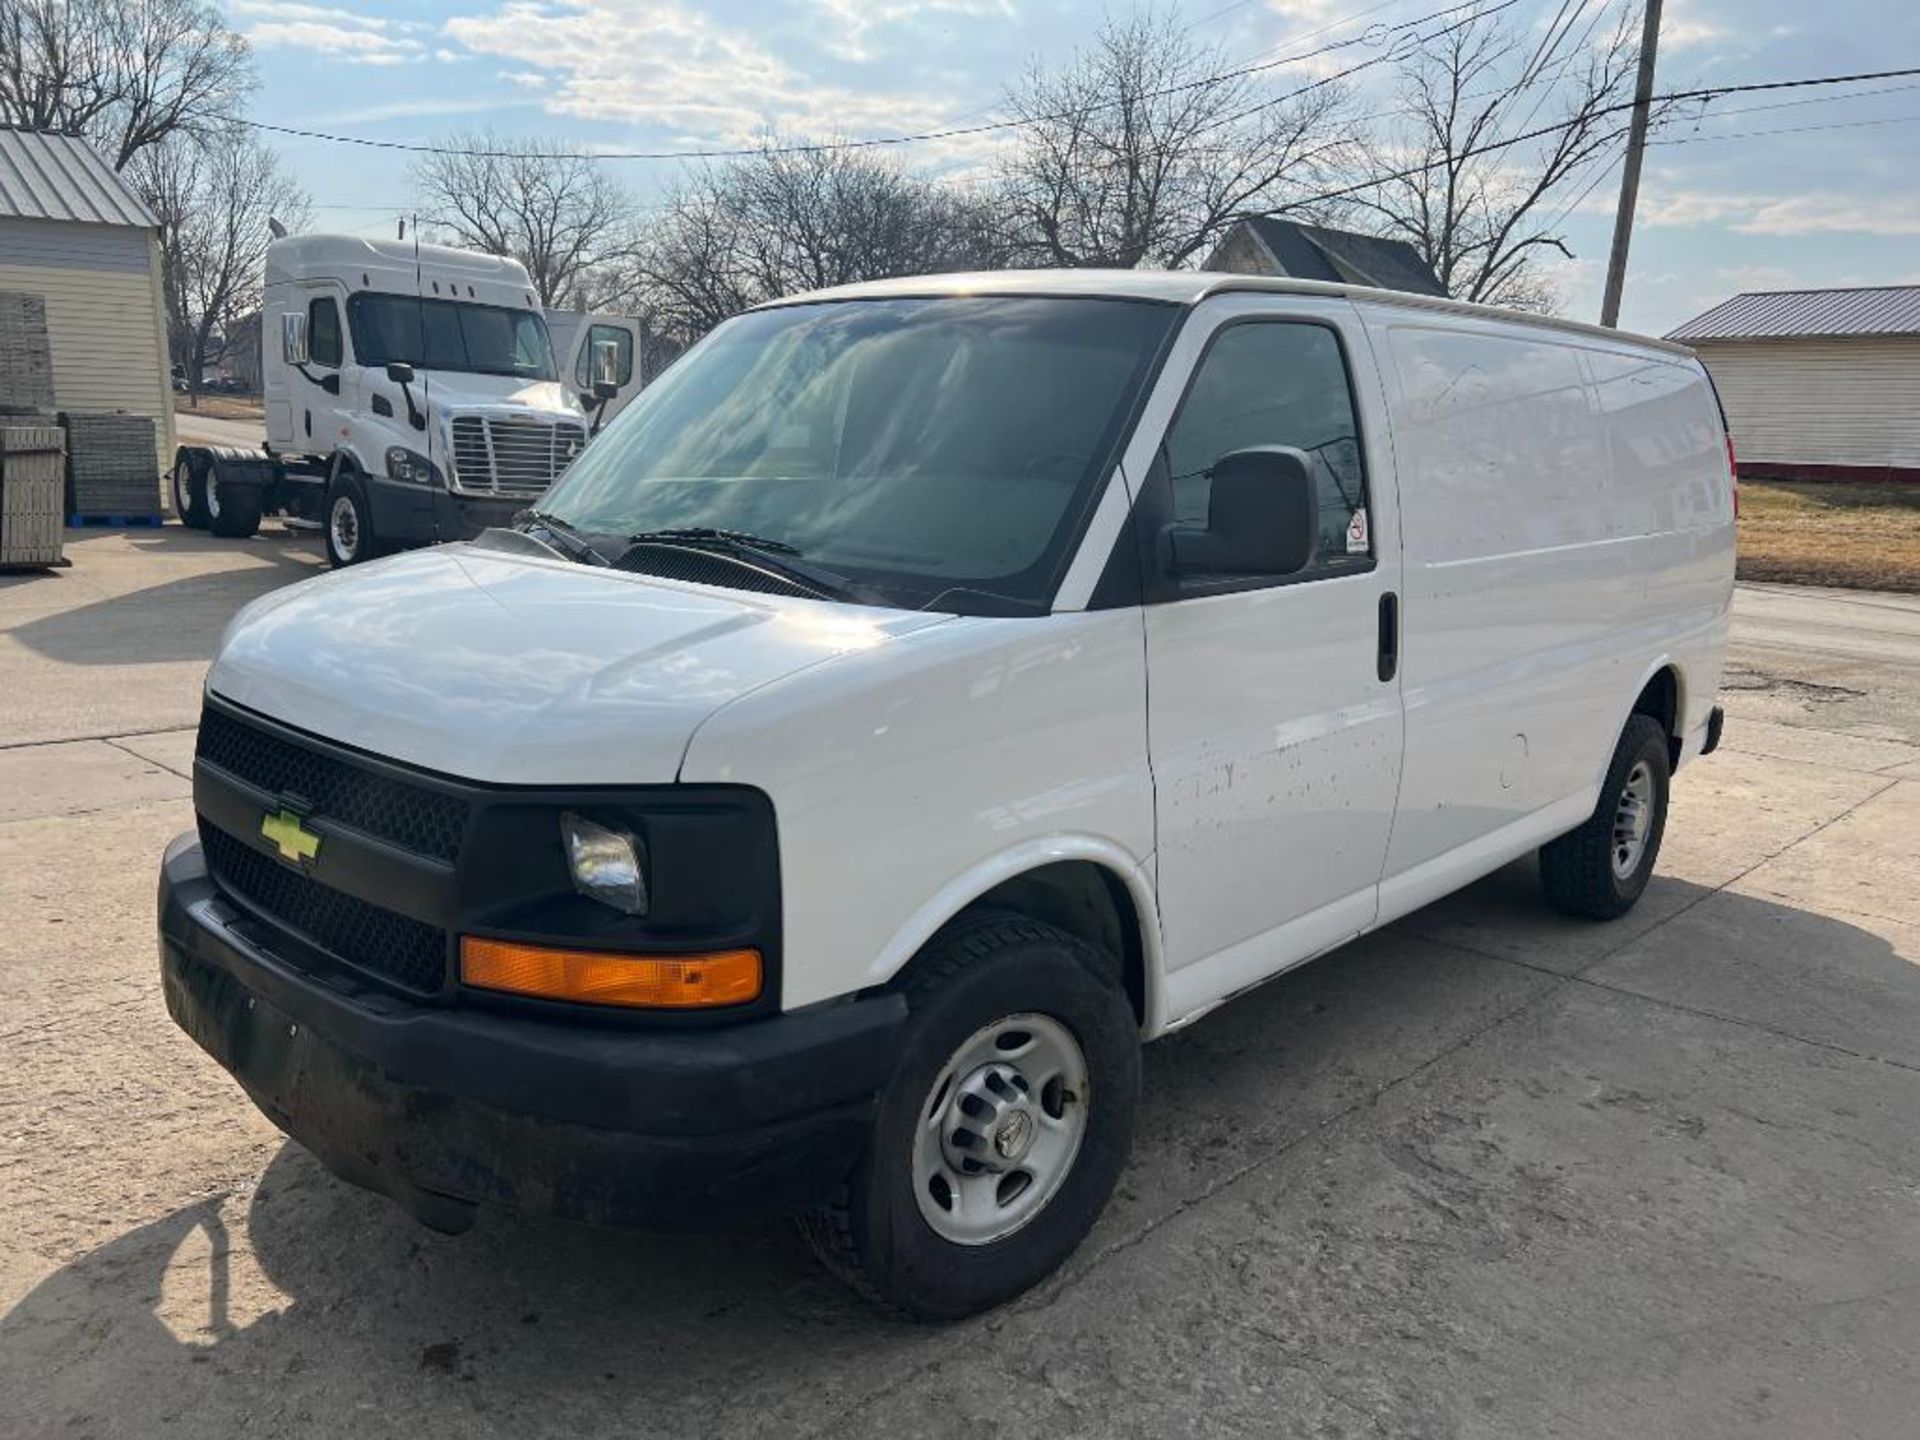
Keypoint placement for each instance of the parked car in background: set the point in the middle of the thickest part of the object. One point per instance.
(924, 694)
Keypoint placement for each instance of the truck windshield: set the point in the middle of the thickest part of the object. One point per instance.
(941, 452)
(449, 335)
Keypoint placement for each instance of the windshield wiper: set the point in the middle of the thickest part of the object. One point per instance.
(566, 539)
(759, 551)
(708, 532)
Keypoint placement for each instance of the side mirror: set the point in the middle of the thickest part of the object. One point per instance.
(606, 369)
(399, 372)
(293, 337)
(1263, 516)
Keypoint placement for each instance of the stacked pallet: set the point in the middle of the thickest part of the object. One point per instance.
(26, 359)
(110, 470)
(32, 477)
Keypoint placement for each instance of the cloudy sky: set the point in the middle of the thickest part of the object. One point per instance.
(1726, 205)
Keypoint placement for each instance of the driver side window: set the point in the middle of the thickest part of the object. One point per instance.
(1284, 383)
(323, 333)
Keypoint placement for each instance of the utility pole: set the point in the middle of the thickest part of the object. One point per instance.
(1630, 177)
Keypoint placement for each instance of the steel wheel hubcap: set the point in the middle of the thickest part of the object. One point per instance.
(212, 489)
(344, 525)
(1632, 819)
(182, 483)
(1000, 1129)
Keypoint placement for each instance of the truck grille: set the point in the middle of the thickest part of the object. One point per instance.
(410, 816)
(512, 457)
(405, 951)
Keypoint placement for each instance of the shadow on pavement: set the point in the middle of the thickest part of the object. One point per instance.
(335, 1312)
(176, 620)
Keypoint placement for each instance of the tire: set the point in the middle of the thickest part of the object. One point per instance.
(233, 511)
(347, 520)
(998, 977)
(189, 484)
(1599, 870)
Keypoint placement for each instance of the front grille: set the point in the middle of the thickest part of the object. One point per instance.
(519, 457)
(406, 951)
(410, 816)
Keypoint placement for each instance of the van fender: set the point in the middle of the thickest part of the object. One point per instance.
(984, 875)
(1665, 660)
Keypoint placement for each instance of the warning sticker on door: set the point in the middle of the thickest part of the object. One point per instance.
(1357, 532)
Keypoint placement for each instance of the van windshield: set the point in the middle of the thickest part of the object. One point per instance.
(942, 452)
(449, 335)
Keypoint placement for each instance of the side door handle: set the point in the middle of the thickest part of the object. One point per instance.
(1389, 653)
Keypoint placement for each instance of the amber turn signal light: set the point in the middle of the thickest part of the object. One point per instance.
(600, 977)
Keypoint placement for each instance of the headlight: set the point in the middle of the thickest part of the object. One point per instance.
(405, 464)
(607, 865)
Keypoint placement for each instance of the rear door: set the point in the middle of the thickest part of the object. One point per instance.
(1274, 716)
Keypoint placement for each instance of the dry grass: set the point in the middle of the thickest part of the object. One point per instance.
(1863, 537)
(220, 407)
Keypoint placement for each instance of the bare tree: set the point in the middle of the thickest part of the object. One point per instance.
(550, 207)
(1484, 218)
(214, 197)
(733, 235)
(1144, 149)
(128, 74)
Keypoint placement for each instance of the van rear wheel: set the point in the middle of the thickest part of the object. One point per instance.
(1600, 869)
(1003, 1130)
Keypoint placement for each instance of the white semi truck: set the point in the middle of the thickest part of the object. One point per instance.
(412, 396)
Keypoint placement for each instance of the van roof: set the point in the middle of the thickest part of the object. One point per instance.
(1189, 287)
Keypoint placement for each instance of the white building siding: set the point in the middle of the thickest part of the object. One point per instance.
(105, 323)
(1820, 402)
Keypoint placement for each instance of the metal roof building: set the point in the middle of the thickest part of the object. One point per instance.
(1817, 384)
(76, 236)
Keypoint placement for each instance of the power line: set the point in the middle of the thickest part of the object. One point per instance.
(922, 137)
(1703, 94)
(1790, 130)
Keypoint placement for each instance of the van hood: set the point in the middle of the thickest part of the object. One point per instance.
(522, 670)
(452, 391)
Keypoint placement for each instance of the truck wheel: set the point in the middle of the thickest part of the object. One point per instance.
(233, 511)
(1600, 869)
(1004, 1127)
(189, 492)
(348, 522)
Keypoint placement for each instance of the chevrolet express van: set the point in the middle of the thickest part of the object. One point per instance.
(922, 695)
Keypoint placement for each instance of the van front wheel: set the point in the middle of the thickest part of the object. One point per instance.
(1003, 1130)
(1600, 869)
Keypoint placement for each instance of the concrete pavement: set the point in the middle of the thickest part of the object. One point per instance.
(1489, 1173)
(192, 429)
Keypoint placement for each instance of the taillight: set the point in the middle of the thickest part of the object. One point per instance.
(1733, 476)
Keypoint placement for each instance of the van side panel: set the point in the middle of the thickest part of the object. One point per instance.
(1560, 546)
(1671, 479)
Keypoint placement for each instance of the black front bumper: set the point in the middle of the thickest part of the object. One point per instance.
(444, 1107)
(406, 512)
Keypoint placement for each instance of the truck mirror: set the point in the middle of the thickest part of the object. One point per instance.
(1263, 516)
(293, 337)
(606, 369)
(399, 372)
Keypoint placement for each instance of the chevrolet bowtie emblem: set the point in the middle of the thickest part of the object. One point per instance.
(295, 842)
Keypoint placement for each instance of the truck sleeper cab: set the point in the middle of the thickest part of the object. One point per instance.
(924, 693)
(411, 396)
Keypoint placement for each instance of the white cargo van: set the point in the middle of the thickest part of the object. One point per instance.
(922, 695)
(411, 396)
